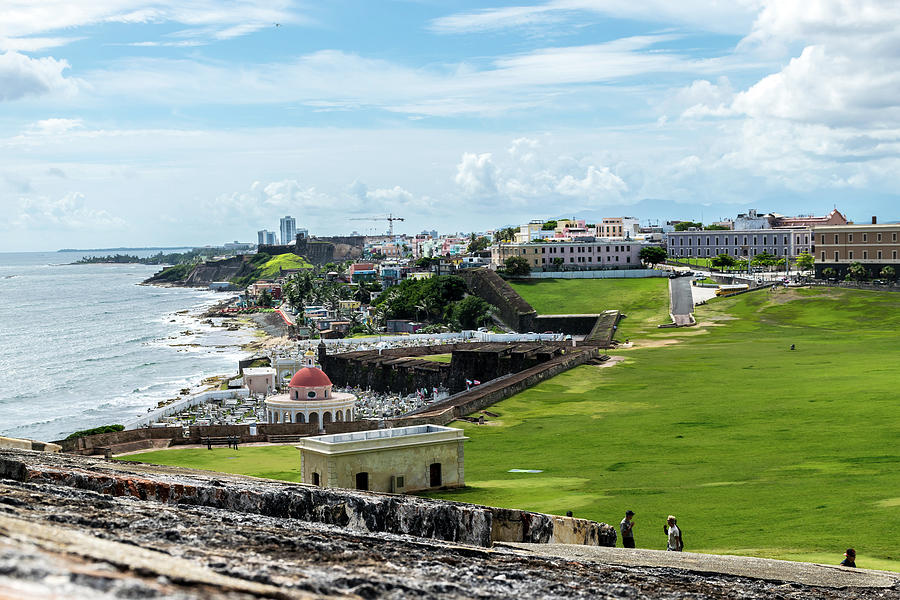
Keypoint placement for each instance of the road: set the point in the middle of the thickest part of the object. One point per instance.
(681, 300)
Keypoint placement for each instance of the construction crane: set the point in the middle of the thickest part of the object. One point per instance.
(390, 219)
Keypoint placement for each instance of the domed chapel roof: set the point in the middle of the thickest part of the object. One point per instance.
(309, 377)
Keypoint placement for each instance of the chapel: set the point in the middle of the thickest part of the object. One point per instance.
(310, 398)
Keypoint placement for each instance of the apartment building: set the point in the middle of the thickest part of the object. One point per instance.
(874, 246)
(584, 254)
(740, 243)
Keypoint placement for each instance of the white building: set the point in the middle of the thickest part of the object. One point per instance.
(259, 380)
(288, 230)
(310, 399)
(399, 460)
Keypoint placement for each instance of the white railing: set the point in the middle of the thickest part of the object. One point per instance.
(605, 274)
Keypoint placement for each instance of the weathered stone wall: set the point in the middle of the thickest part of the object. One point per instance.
(568, 324)
(361, 511)
(513, 309)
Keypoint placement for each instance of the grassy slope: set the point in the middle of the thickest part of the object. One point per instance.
(273, 462)
(281, 261)
(645, 301)
(441, 358)
(758, 450)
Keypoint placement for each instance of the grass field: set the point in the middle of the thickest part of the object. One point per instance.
(441, 358)
(757, 449)
(272, 462)
(645, 301)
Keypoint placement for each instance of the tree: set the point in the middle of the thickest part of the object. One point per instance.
(477, 244)
(471, 312)
(764, 259)
(549, 225)
(857, 272)
(805, 262)
(653, 255)
(507, 234)
(889, 273)
(723, 261)
(829, 273)
(517, 266)
(685, 225)
(716, 228)
(265, 299)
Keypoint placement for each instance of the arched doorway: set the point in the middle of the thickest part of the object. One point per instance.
(313, 418)
(339, 416)
(326, 418)
(301, 418)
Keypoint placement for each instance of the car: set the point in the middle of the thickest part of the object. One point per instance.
(673, 275)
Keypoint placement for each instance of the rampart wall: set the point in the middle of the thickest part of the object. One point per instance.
(513, 309)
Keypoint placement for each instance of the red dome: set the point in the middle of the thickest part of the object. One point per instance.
(309, 377)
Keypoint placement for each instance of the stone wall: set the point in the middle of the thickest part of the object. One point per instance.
(513, 309)
(568, 324)
(362, 511)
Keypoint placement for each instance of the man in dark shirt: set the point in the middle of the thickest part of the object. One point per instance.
(626, 527)
(850, 558)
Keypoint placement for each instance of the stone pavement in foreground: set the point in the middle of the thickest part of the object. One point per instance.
(743, 566)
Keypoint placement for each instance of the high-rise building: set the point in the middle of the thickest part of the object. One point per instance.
(270, 238)
(261, 236)
(264, 236)
(288, 230)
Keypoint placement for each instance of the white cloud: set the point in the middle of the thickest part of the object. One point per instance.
(476, 174)
(70, 212)
(724, 17)
(218, 18)
(34, 44)
(336, 80)
(596, 185)
(22, 76)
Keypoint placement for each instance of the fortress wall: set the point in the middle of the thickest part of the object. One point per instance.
(351, 509)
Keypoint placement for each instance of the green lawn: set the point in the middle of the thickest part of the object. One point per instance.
(441, 358)
(274, 265)
(273, 462)
(757, 449)
(645, 301)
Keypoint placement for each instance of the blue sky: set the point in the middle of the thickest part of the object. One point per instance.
(161, 122)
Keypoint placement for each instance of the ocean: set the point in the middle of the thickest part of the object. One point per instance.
(85, 345)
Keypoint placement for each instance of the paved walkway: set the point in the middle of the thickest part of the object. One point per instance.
(742, 566)
(681, 301)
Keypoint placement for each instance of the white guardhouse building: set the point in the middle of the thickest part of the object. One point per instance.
(398, 460)
(259, 380)
(310, 399)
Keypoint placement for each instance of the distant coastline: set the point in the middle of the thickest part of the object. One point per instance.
(142, 249)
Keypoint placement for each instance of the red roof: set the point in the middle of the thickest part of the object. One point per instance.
(309, 377)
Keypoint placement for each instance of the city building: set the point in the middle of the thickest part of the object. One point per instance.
(396, 460)
(288, 227)
(746, 243)
(833, 218)
(310, 398)
(874, 246)
(618, 228)
(580, 254)
(266, 237)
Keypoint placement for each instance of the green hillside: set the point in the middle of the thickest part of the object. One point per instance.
(757, 449)
(644, 301)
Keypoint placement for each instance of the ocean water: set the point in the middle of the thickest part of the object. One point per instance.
(85, 345)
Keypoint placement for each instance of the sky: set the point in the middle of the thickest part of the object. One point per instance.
(170, 123)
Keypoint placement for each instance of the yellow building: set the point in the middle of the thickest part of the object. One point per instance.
(399, 460)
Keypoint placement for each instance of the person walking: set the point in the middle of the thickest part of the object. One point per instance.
(671, 529)
(627, 527)
(849, 558)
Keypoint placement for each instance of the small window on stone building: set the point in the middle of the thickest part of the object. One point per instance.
(434, 473)
(865, 237)
(878, 237)
(310, 394)
(316, 479)
(362, 481)
(850, 255)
